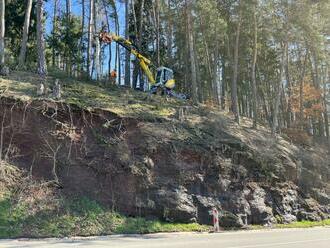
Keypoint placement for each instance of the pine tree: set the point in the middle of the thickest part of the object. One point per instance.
(42, 67)
(2, 33)
(21, 59)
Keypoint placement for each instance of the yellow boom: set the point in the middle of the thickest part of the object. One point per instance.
(128, 45)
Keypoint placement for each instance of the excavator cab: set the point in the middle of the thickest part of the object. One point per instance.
(164, 82)
(165, 78)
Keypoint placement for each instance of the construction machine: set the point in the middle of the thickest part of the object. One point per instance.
(164, 81)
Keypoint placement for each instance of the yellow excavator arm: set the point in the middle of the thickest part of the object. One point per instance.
(128, 45)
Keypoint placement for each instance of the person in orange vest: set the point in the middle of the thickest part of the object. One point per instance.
(113, 77)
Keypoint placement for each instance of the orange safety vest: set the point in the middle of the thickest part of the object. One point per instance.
(113, 74)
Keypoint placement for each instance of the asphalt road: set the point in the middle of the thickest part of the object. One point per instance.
(284, 238)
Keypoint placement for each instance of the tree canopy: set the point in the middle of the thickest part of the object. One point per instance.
(267, 60)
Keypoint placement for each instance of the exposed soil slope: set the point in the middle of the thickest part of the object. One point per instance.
(160, 158)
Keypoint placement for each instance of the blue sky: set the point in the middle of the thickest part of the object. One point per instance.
(76, 10)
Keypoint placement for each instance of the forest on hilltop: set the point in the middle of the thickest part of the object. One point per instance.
(267, 60)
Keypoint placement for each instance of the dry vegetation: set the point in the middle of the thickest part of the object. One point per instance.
(90, 94)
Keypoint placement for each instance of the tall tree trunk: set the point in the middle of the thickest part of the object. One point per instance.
(68, 9)
(108, 27)
(42, 67)
(288, 109)
(234, 101)
(227, 66)
(209, 61)
(325, 113)
(301, 92)
(132, 4)
(289, 85)
(68, 56)
(127, 53)
(254, 62)
(200, 87)
(215, 77)
(81, 44)
(21, 59)
(97, 43)
(139, 36)
(275, 125)
(157, 7)
(283, 106)
(141, 24)
(90, 37)
(223, 84)
(2, 33)
(169, 34)
(54, 32)
(264, 106)
(193, 75)
(315, 69)
(118, 57)
(135, 68)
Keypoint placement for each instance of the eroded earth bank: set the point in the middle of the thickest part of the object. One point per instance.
(175, 168)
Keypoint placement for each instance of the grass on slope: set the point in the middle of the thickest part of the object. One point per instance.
(304, 224)
(90, 94)
(79, 217)
(296, 224)
(36, 209)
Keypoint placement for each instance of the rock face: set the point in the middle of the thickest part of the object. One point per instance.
(260, 212)
(175, 170)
